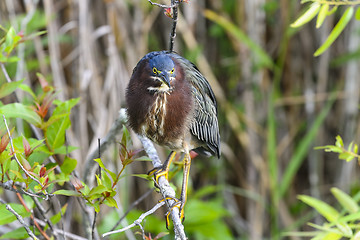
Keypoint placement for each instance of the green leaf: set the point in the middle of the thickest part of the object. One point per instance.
(97, 190)
(101, 164)
(7, 217)
(327, 211)
(11, 41)
(9, 87)
(143, 176)
(54, 118)
(64, 149)
(143, 159)
(106, 180)
(67, 193)
(19, 233)
(55, 133)
(27, 89)
(110, 201)
(126, 138)
(63, 107)
(345, 200)
(332, 11)
(346, 156)
(57, 217)
(349, 218)
(18, 110)
(96, 206)
(344, 20)
(327, 232)
(68, 165)
(339, 142)
(322, 15)
(307, 16)
(332, 236)
(357, 14)
(4, 157)
(331, 148)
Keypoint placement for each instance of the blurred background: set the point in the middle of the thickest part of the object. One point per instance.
(276, 102)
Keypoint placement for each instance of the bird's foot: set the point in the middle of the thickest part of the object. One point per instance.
(177, 204)
(158, 172)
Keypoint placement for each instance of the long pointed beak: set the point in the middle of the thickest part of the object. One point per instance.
(164, 76)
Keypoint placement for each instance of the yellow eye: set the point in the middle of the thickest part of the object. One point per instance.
(172, 70)
(155, 70)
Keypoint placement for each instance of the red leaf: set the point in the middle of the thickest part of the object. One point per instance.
(27, 149)
(44, 84)
(168, 12)
(76, 183)
(4, 142)
(42, 171)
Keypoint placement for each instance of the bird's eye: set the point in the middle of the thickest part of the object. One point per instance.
(155, 70)
(172, 70)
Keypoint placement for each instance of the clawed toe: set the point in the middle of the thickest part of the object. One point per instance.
(177, 203)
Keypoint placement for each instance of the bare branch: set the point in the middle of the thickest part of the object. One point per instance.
(138, 221)
(140, 199)
(19, 218)
(166, 190)
(161, 5)
(8, 186)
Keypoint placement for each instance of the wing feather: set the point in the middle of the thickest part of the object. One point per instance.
(205, 125)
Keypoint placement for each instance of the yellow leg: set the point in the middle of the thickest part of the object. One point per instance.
(164, 170)
(183, 195)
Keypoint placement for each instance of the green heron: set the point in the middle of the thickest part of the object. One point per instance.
(171, 103)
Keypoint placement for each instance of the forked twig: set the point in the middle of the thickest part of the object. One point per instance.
(161, 5)
(137, 221)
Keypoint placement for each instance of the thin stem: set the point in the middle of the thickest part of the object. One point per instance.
(32, 217)
(8, 186)
(19, 218)
(138, 221)
(175, 4)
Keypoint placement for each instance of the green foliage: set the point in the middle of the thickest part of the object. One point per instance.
(8, 43)
(19, 233)
(105, 190)
(339, 224)
(204, 220)
(8, 217)
(347, 154)
(321, 9)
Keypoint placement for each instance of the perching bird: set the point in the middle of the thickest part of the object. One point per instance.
(170, 102)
